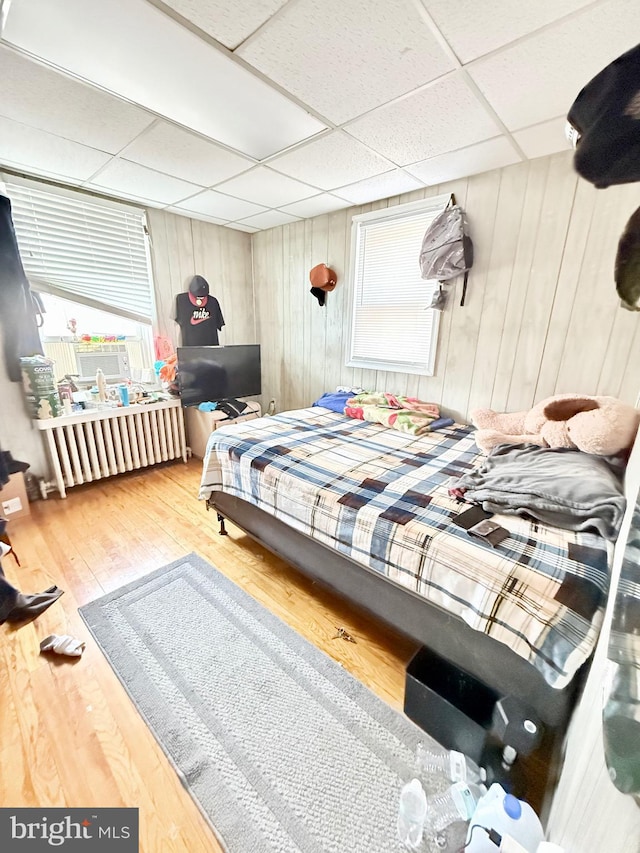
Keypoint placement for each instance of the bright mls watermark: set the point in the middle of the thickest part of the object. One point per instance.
(73, 830)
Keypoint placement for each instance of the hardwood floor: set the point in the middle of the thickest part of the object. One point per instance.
(69, 735)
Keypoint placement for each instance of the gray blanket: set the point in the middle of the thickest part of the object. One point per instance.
(560, 487)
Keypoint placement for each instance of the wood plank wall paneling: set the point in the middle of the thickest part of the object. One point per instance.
(541, 316)
(181, 248)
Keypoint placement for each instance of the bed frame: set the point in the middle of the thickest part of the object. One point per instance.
(490, 661)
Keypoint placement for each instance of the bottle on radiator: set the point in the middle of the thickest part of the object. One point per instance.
(454, 765)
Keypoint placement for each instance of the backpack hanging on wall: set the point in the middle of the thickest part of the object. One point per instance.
(447, 249)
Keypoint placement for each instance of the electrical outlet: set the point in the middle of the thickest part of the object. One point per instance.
(10, 506)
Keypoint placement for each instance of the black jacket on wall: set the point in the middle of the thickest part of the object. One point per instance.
(17, 317)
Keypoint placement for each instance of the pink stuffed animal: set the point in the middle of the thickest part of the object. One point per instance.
(600, 425)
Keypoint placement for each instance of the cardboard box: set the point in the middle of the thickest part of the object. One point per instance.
(13, 498)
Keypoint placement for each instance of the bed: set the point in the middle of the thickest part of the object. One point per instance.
(367, 511)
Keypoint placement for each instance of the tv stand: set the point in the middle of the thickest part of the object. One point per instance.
(200, 425)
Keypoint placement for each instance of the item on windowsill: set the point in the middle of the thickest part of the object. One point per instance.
(40, 388)
(101, 384)
(124, 394)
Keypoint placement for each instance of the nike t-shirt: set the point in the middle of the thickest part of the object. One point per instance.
(200, 324)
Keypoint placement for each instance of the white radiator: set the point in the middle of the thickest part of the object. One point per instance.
(102, 443)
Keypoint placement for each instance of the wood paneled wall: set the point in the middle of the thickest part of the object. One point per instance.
(183, 247)
(541, 315)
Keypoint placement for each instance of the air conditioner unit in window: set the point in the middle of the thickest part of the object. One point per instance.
(112, 359)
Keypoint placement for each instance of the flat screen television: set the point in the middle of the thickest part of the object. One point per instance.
(207, 374)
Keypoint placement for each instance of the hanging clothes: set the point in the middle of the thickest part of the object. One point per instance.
(17, 305)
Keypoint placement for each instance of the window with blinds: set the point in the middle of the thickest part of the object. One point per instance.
(75, 247)
(392, 327)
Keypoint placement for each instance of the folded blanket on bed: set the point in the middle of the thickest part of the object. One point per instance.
(407, 414)
(558, 486)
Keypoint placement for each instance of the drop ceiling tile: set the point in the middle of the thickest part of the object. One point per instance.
(212, 203)
(331, 161)
(439, 118)
(45, 99)
(491, 154)
(540, 77)
(180, 153)
(541, 139)
(227, 21)
(345, 58)
(191, 215)
(240, 226)
(174, 73)
(264, 186)
(269, 219)
(473, 29)
(35, 151)
(382, 186)
(133, 181)
(316, 206)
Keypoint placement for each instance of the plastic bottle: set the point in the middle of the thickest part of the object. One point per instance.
(455, 765)
(101, 384)
(411, 814)
(457, 803)
(509, 817)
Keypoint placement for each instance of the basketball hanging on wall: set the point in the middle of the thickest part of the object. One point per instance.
(323, 280)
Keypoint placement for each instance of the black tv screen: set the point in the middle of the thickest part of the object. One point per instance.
(208, 374)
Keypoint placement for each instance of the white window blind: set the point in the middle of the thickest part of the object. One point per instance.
(80, 249)
(392, 328)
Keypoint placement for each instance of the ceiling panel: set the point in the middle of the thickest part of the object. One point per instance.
(171, 71)
(336, 56)
(227, 21)
(473, 29)
(439, 118)
(240, 226)
(391, 183)
(491, 154)
(269, 219)
(132, 181)
(267, 187)
(331, 161)
(48, 100)
(179, 152)
(316, 206)
(546, 138)
(23, 147)
(192, 215)
(222, 206)
(540, 77)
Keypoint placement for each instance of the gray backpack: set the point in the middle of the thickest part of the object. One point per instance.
(447, 250)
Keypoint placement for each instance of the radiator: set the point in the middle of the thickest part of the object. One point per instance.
(103, 443)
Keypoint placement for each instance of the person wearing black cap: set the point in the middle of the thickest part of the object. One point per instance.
(198, 314)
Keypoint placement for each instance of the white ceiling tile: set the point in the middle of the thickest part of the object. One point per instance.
(34, 150)
(540, 77)
(491, 154)
(131, 48)
(212, 203)
(264, 186)
(542, 139)
(240, 226)
(439, 118)
(179, 152)
(316, 206)
(269, 219)
(391, 183)
(192, 215)
(331, 161)
(227, 21)
(473, 29)
(133, 181)
(344, 58)
(48, 100)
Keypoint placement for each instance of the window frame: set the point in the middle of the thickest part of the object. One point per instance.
(431, 206)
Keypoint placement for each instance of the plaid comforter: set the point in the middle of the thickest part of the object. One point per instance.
(381, 497)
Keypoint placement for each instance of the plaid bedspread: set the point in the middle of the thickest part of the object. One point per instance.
(381, 497)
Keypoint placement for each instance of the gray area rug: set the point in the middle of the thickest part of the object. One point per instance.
(281, 748)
